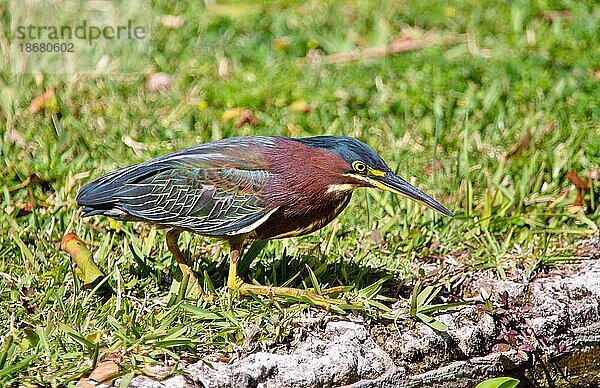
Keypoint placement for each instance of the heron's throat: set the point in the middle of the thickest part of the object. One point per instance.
(341, 187)
(352, 182)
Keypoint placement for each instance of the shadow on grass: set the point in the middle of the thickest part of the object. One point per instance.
(296, 271)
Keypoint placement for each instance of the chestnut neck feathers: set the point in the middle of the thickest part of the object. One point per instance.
(302, 192)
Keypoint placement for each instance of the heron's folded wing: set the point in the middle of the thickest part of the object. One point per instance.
(208, 201)
(214, 188)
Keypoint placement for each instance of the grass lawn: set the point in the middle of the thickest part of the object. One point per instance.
(494, 116)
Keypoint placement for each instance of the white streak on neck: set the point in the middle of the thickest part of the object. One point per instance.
(336, 187)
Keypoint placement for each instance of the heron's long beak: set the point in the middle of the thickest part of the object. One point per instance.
(395, 184)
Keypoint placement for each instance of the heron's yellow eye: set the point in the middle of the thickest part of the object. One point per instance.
(359, 167)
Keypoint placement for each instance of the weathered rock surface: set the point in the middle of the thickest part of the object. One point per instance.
(546, 334)
(554, 322)
(342, 353)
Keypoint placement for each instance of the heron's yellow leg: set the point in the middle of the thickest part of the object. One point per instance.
(235, 283)
(316, 299)
(186, 270)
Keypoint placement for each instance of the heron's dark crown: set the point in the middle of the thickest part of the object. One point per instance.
(349, 149)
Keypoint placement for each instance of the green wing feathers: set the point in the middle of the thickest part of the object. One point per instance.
(209, 190)
(211, 202)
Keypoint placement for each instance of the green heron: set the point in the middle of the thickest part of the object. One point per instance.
(246, 188)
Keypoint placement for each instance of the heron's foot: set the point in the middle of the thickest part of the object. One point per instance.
(335, 290)
(320, 300)
(234, 282)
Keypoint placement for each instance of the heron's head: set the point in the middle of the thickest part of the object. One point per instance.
(365, 168)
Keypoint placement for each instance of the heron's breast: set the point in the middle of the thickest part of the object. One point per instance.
(300, 218)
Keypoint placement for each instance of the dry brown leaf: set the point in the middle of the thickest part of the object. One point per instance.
(521, 146)
(86, 268)
(376, 236)
(231, 113)
(23, 208)
(580, 185)
(31, 179)
(83, 383)
(26, 207)
(597, 75)
(116, 357)
(14, 137)
(501, 347)
(551, 126)
(399, 45)
(159, 81)
(223, 68)
(280, 44)
(104, 370)
(577, 181)
(246, 118)
(300, 106)
(559, 199)
(32, 202)
(243, 116)
(223, 357)
(525, 142)
(43, 101)
(552, 16)
(433, 167)
(136, 146)
(172, 22)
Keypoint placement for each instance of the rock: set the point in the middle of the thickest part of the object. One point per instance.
(559, 317)
(547, 333)
(418, 348)
(342, 353)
